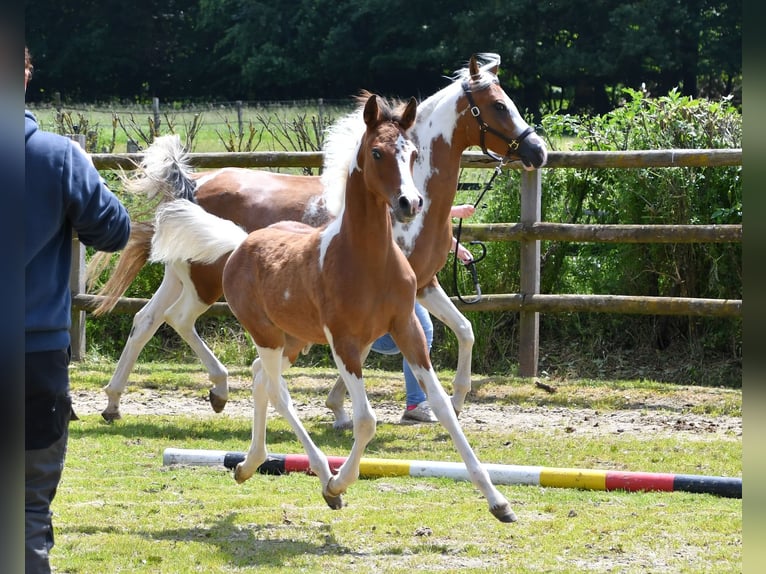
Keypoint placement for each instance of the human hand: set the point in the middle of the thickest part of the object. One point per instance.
(464, 210)
(463, 254)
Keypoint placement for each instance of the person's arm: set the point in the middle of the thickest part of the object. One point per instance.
(98, 216)
(462, 211)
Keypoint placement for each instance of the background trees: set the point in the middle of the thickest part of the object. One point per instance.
(559, 54)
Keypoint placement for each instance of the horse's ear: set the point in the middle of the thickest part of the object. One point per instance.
(408, 115)
(473, 68)
(371, 110)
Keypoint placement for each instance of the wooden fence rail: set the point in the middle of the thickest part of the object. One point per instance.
(528, 232)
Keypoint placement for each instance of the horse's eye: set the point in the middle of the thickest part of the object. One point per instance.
(376, 153)
(500, 106)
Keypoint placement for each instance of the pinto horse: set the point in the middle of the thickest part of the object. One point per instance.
(345, 284)
(473, 110)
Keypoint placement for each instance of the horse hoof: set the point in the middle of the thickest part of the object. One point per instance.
(334, 502)
(216, 402)
(343, 425)
(503, 513)
(239, 475)
(110, 416)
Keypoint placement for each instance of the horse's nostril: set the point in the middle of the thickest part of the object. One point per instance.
(404, 203)
(420, 203)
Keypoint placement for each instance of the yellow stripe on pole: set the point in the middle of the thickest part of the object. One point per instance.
(375, 467)
(573, 478)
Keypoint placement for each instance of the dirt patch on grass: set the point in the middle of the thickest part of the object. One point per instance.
(572, 408)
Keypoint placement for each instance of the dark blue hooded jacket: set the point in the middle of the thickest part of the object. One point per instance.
(64, 192)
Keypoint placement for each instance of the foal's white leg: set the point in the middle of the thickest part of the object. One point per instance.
(257, 453)
(272, 364)
(439, 401)
(145, 324)
(334, 402)
(364, 423)
(440, 306)
(182, 316)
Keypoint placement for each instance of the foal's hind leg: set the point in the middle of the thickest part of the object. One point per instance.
(440, 306)
(145, 324)
(181, 316)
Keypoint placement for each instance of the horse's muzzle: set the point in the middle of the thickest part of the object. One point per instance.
(407, 208)
(533, 152)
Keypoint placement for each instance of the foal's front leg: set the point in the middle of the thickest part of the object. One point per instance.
(349, 362)
(273, 364)
(256, 454)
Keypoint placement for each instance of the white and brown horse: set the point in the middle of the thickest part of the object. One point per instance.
(473, 110)
(345, 284)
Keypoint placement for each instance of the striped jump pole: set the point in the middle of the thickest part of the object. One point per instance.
(506, 474)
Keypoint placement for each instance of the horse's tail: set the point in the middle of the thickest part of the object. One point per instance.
(163, 175)
(183, 231)
(164, 172)
(132, 258)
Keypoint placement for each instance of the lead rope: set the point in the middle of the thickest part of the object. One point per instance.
(472, 265)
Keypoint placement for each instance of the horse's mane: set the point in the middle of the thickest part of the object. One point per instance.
(341, 143)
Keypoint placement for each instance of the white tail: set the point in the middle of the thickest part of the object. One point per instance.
(164, 170)
(183, 231)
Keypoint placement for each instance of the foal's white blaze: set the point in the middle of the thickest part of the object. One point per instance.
(404, 150)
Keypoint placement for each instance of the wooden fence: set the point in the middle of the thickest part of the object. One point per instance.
(528, 232)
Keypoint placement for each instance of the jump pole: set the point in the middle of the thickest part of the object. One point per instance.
(505, 474)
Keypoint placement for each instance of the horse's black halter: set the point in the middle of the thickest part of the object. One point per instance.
(513, 146)
(484, 127)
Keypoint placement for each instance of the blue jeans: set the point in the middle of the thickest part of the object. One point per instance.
(385, 346)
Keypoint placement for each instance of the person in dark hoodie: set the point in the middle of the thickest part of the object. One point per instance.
(64, 193)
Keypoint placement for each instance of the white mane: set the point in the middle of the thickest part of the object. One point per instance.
(342, 141)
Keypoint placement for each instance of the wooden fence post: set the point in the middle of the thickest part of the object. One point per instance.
(77, 286)
(529, 321)
(240, 120)
(77, 283)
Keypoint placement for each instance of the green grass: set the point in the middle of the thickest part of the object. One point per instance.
(119, 509)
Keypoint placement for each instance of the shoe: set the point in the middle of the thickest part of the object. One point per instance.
(420, 414)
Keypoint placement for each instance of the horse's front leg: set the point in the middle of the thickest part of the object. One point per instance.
(440, 306)
(274, 363)
(334, 402)
(349, 361)
(256, 454)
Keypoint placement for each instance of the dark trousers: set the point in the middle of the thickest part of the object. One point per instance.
(48, 408)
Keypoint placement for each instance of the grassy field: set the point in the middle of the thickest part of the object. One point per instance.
(212, 128)
(120, 510)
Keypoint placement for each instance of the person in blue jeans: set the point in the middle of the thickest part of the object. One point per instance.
(64, 193)
(417, 409)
